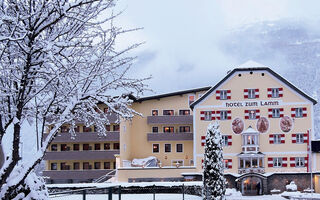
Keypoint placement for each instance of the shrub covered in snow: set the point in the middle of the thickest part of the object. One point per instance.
(291, 187)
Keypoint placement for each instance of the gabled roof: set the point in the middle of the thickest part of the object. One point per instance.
(172, 94)
(253, 69)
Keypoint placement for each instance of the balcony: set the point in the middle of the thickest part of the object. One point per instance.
(76, 174)
(170, 119)
(170, 136)
(81, 155)
(86, 137)
(251, 170)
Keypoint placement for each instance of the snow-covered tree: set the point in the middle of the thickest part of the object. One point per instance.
(58, 60)
(213, 180)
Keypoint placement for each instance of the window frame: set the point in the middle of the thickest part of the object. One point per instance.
(251, 93)
(170, 111)
(76, 145)
(223, 115)
(174, 162)
(74, 166)
(275, 93)
(223, 94)
(277, 162)
(153, 129)
(252, 114)
(299, 112)
(153, 111)
(300, 139)
(194, 98)
(299, 160)
(169, 128)
(183, 128)
(153, 145)
(165, 149)
(276, 138)
(224, 140)
(181, 112)
(275, 112)
(181, 148)
(55, 166)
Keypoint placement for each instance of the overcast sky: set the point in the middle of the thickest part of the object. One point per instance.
(183, 38)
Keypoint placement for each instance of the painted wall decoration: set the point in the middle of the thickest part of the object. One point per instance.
(237, 125)
(262, 125)
(286, 124)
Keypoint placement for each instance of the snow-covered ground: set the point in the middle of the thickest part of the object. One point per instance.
(129, 197)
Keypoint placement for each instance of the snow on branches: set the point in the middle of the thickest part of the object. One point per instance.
(57, 62)
(213, 179)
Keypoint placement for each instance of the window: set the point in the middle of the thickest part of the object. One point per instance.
(274, 92)
(184, 129)
(177, 163)
(168, 129)
(86, 165)
(167, 148)
(64, 129)
(106, 146)
(54, 147)
(223, 115)
(179, 148)
(64, 147)
(105, 110)
(225, 163)
(97, 165)
(155, 148)
(277, 162)
(54, 166)
(116, 127)
(191, 99)
(86, 147)
(277, 138)
(299, 112)
(251, 93)
(155, 129)
(300, 161)
(97, 146)
(184, 112)
(252, 114)
(64, 166)
(224, 140)
(87, 129)
(77, 129)
(299, 138)
(168, 112)
(207, 116)
(223, 94)
(108, 128)
(76, 147)
(106, 165)
(154, 112)
(76, 166)
(116, 146)
(275, 112)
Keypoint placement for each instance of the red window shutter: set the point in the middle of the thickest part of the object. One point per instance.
(229, 114)
(213, 115)
(306, 160)
(202, 163)
(283, 139)
(293, 112)
(280, 92)
(229, 163)
(271, 139)
(294, 138)
(304, 112)
(305, 138)
(203, 140)
(257, 114)
(292, 161)
(270, 112)
(270, 162)
(228, 94)
(281, 112)
(201, 115)
(218, 94)
(284, 162)
(245, 93)
(257, 93)
(229, 140)
(246, 114)
(269, 92)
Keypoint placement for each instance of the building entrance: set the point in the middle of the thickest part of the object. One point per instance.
(251, 186)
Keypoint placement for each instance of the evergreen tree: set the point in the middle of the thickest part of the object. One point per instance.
(213, 179)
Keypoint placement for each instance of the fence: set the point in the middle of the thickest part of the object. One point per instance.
(116, 193)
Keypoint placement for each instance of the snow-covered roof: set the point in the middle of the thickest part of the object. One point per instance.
(251, 64)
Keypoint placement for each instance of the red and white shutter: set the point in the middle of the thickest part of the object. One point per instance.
(294, 138)
(201, 115)
(304, 112)
(228, 94)
(280, 92)
(257, 114)
(284, 162)
(281, 112)
(218, 115)
(256, 93)
(292, 161)
(305, 138)
(246, 93)
(246, 114)
(269, 92)
(218, 94)
(270, 162)
(203, 140)
(306, 159)
(229, 163)
(213, 115)
(202, 163)
(270, 112)
(271, 139)
(293, 112)
(229, 140)
(283, 138)
(229, 114)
